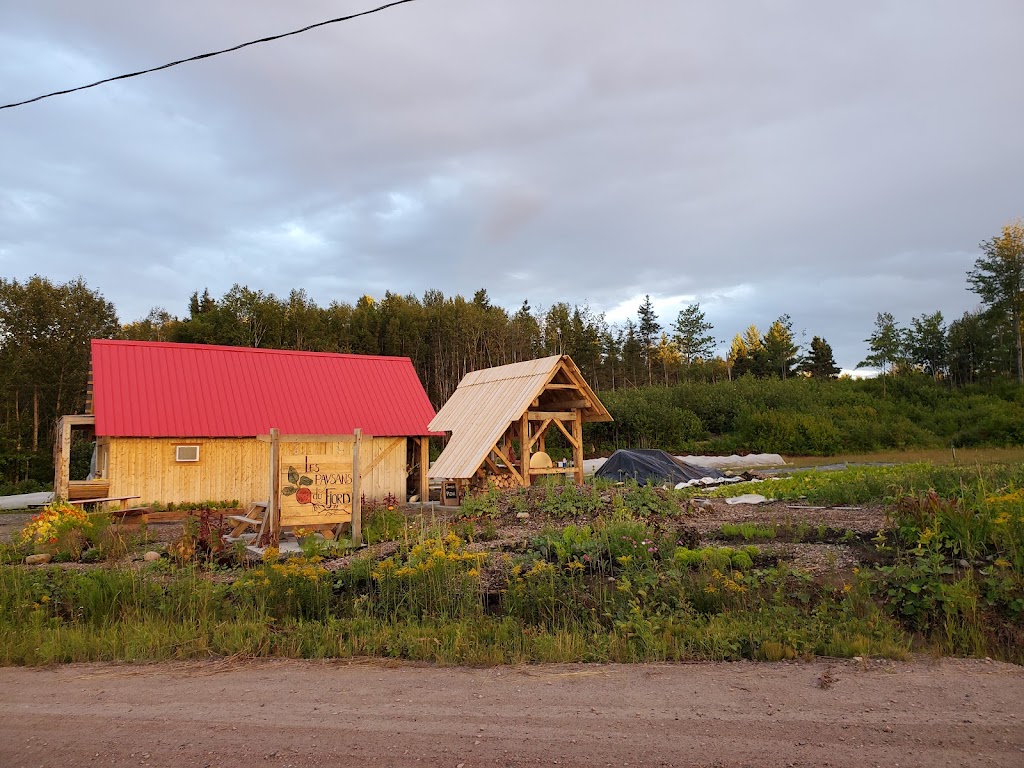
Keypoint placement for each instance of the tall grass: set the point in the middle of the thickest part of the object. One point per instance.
(611, 595)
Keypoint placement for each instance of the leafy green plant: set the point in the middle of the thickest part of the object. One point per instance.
(481, 503)
(647, 501)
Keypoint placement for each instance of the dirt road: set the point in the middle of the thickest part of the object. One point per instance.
(949, 713)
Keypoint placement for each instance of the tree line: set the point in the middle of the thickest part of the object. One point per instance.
(981, 346)
(45, 329)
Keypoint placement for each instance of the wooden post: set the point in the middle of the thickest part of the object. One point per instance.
(357, 506)
(62, 456)
(273, 504)
(524, 441)
(424, 467)
(577, 451)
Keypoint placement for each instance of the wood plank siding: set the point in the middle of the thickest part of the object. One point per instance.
(232, 468)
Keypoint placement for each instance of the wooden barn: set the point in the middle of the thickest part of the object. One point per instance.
(496, 409)
(190, 422)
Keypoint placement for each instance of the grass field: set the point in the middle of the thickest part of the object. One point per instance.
(943, 456)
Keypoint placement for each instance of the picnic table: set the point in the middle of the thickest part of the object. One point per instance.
(251, 525)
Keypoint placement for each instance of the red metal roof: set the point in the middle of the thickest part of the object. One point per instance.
(155, 389)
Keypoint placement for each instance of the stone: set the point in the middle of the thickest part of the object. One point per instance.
(38, 559)
(522, 515)
(151, 556)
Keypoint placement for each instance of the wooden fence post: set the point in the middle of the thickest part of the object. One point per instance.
(357, 506)
(273, 508)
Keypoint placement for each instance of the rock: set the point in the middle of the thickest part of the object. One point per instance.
(38, 559)
(151, 556)
(522, 515)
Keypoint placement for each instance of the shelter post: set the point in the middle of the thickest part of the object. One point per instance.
(577, 449)
(524, 441)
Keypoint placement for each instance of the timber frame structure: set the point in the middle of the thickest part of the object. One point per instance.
(496, 408)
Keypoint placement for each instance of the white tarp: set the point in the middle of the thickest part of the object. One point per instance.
(590, 466)
(23, 500)
(747, 498)
(736, 462)
(708, 481)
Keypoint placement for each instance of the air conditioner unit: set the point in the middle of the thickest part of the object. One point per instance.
(186, 453)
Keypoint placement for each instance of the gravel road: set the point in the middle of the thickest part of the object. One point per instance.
(286, 713)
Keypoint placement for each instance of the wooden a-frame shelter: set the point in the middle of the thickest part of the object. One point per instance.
(520, 402)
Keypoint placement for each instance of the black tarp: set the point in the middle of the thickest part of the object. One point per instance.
(650, 466)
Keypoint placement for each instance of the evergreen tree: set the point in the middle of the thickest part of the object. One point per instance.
(691, 335)
(525, 334)
(739, 359)
(632, 355)
(649, 328)
(820, 364)
(779, 349)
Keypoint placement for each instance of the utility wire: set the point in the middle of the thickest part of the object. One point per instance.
(209, 55)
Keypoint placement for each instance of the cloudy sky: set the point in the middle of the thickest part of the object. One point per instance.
(827, 160)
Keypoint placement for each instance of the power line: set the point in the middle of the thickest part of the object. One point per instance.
(209, 55)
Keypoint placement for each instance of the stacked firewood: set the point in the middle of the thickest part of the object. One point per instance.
(503, 481)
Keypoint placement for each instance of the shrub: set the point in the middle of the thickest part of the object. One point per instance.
(63, 530)
(437, 578)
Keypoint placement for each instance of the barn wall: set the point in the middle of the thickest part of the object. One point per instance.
(233, 468)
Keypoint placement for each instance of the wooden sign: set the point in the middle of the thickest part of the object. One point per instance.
(450, 493)
(316, 489)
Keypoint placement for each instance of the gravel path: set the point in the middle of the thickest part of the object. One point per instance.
(232, 714)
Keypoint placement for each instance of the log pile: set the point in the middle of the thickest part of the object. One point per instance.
(504, 481)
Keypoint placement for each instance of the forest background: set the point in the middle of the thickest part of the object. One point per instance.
(942, 384)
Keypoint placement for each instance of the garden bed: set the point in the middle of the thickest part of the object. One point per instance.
(598, 573)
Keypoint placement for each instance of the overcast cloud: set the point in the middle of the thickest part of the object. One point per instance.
(828, 160)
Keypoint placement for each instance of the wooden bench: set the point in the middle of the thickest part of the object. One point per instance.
(123, 500)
